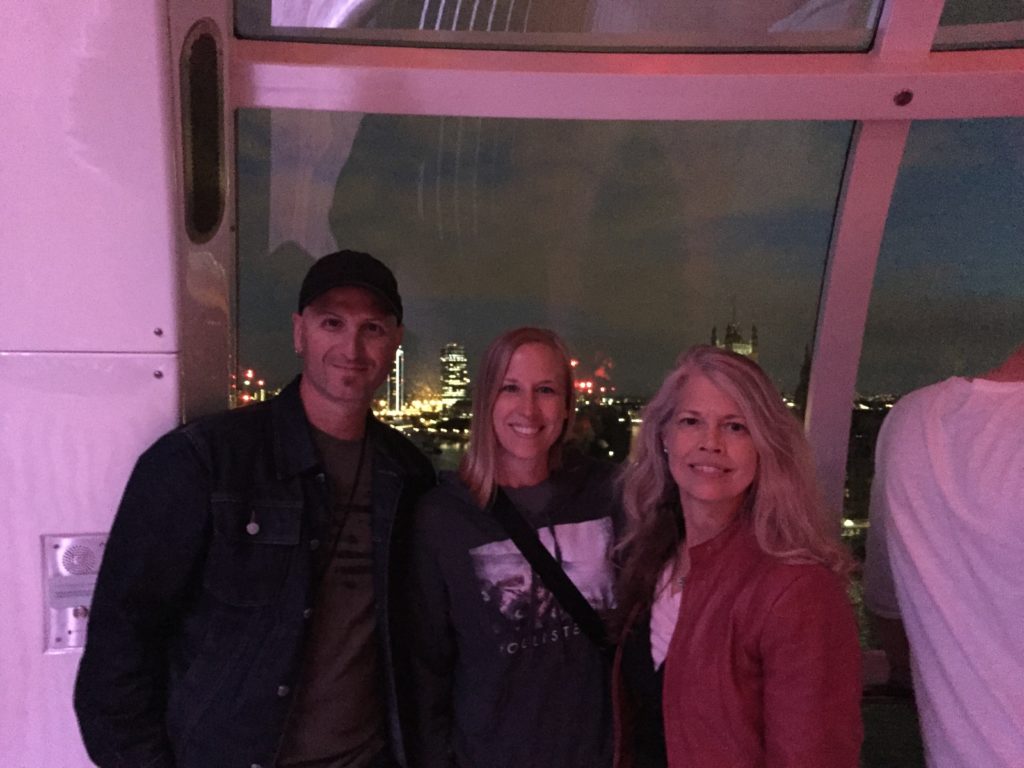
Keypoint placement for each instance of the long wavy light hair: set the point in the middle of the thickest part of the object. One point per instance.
(783, 505)
(479, 467)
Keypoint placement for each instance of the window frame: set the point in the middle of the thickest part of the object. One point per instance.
(869, 88)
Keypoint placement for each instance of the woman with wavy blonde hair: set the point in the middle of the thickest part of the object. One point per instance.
(739, 645)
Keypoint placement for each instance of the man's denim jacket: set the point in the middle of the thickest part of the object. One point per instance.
(205, 592)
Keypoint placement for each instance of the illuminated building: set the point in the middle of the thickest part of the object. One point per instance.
(247, 388)
(396, 383)
(454, 374)
(734, 340)
(597, 386)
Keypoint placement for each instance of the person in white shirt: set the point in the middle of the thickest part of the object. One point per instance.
(944, 559)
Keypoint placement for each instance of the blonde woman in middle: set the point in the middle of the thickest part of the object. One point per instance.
(504, 676)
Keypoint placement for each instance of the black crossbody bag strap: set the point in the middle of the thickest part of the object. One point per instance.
(544, 565)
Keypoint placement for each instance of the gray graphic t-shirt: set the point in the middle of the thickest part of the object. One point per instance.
(504, 675)
(526, 614)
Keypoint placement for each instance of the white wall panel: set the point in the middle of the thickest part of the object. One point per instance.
(86, 177)
(87, 276)
(71, 427)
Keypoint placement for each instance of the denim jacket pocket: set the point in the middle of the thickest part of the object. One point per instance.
(252, 549)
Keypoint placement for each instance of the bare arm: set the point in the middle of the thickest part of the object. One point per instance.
(879, 584)
(891, 635)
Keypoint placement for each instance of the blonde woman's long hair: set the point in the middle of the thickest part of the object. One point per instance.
(479, 466)
(783, 507)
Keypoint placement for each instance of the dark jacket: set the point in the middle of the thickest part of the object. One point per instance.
(205, 591)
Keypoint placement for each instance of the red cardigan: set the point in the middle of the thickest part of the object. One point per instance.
(763, 670)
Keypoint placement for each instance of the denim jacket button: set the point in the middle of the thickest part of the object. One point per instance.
(255, 765)
(314, 543)
(283, 690)
(307, 613)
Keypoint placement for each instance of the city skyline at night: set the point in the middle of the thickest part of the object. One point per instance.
(632, 240)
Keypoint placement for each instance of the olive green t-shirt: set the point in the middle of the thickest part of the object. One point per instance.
(338, 716)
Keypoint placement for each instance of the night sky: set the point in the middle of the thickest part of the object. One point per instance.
(632, 239)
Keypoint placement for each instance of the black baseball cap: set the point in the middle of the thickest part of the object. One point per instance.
(342, 268)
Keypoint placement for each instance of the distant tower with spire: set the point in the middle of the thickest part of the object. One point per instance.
(734, 340)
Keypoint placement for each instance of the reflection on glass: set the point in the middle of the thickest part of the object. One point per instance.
(572, 24)
(633, 240)
(967, 24)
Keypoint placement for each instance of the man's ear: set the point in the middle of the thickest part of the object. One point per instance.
(297, 333)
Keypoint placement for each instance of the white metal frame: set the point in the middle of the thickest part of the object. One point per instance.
(840, 86)
(610, 86)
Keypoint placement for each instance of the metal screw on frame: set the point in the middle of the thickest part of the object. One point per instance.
(903, 98)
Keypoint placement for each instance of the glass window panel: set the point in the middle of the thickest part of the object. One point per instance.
(967, 24)
(948, 297)
(632, 239)
(639, 25)
(949, 291)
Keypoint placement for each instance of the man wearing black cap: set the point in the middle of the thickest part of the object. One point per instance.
(246, 610)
